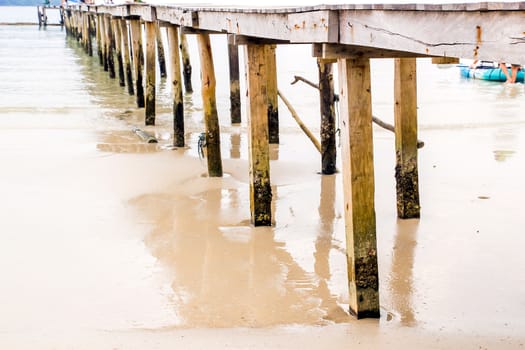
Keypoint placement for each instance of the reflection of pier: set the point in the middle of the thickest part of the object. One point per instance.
(347, 34)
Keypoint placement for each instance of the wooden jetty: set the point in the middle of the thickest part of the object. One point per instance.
(349, 35)
(42, 15)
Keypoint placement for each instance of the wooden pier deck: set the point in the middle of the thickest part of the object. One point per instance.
(349, 35)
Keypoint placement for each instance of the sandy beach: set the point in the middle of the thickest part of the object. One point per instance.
(111, 243)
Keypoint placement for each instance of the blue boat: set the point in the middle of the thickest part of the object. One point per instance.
(488, 72)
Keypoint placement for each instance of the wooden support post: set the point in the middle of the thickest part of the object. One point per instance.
(104, 41)
(44, 16)
(235, 90)
(115, 23)
(151, 66)
(39, 16)
(62, 17)
(405, 114)
(328, 127)
(89, 43)
(109, 46)
(99, 41)
(83, 31)
(126, 54)
(358, 179)
(160, 50)
(213, 136)
(138, 59)
(176, 87)
(186, 64)
(273, 111)
(67, 22)
(259, 159)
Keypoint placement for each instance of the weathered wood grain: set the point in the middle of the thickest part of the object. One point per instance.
(358, 178)
(259, 158)
(213, 135)
(176, 86)
(405, 114)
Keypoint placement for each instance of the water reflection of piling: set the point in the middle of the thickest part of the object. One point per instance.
(401, 280)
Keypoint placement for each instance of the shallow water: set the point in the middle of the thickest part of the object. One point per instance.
(110, 240)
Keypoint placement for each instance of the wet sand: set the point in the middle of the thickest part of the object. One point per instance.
(109, 243)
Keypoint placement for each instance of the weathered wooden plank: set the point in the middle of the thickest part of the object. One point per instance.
(117, 10)
(145, 12)
(485, 35)
(138, 59)
(151, 65)
(445, 60)
(271, 92)
(259, 159)
(176, 86)
(336, 51)
(405, 114)
(213, 138)
(124, 33)
(314, 27)
(235, 90)
(358, 179)
(249, 24)
(175, 15)
(328, 125)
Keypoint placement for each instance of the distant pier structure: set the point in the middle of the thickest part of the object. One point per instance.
(42, 14)
(345, 35)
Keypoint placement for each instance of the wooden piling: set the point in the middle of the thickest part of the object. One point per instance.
(328, 127)
(235, 90)
(98, 38)
(67, 22)
(83, 31)
(89, 43)
(151, 65)
(186, 64)
(260, 188)
(104, 42)
(176, 86)
(124, 34)
(110, 47)
(115, 24)
(138, 59)
(405, 114)
(358, 179)
(213, 141)
(273, 110)
(160, 50)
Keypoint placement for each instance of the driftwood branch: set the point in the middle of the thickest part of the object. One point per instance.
(375, 119)
(308, 133)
